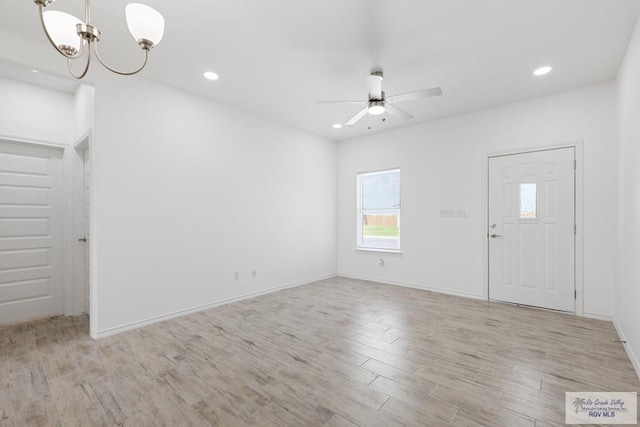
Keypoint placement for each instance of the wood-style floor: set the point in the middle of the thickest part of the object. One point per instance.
(338, 352)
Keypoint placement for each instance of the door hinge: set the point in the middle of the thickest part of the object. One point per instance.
(575, 294)
(575, 164)
(575, 229)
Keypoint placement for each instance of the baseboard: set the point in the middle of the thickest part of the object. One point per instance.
(150, 321)
(632, 356)
(596, 316)
(415, 286)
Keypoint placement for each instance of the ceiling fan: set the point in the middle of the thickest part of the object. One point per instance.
(378, 103)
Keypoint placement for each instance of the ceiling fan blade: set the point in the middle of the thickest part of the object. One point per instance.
(434, 91)
(353, 120)
(375, 87)
(341, 102)
(396, 112)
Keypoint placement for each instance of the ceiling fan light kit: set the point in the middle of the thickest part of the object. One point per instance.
(376, 108)
(379, 103)
(70, 36)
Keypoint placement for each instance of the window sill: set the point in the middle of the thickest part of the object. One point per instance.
(375, 250)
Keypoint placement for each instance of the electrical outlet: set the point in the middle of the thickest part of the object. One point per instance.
(381, 262)
(236, 275)
(254, 273)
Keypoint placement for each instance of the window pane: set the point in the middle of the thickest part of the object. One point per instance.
(380, 225)
(528, 201)
(381, 231)
(381, 190)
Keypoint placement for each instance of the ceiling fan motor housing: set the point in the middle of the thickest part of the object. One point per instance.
(381, 97)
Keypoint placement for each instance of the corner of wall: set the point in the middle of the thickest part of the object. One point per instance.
(627, 295)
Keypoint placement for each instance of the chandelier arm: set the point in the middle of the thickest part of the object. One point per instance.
(86, 68)
(46, 31)
(144, 63)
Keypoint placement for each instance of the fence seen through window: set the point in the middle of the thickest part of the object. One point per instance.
(379, 210)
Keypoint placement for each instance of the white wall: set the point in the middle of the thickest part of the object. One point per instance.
(188, 191)
(627, 313)
(35, 113)
(84, 110)
(441, 166)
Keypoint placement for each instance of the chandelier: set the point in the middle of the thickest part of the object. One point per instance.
(70, 36)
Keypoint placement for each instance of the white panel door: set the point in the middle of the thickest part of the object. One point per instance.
(87, 241)
(30, 232)
(531, 229)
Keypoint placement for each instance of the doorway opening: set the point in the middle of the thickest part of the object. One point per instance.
(81, 228)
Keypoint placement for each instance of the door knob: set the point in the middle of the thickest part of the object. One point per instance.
(82, 239)
(494, 235)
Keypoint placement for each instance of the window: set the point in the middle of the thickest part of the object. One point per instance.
(379, 210)
(528, 201)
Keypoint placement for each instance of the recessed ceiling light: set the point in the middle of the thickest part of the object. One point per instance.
(542, 71)
(337, 126)
(35, 71)
(210, 75)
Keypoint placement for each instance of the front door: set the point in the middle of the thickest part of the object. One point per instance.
(531, 229)
(30, 232)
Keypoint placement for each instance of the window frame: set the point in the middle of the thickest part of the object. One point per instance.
(361, 212)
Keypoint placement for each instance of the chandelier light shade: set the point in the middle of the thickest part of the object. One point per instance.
(62, 28)
(145, 23)
(70, 35)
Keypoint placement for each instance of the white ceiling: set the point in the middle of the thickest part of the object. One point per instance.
(278, 57)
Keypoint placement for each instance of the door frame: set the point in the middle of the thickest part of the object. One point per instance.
(578, 146)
